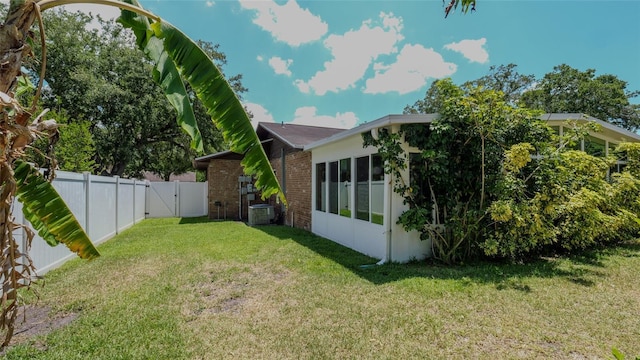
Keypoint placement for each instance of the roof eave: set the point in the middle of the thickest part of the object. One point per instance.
(202, 162)
(384, 121)
(583, 117)
(276, 135)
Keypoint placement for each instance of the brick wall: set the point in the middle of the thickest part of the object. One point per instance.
(223, 186)
(298, 188)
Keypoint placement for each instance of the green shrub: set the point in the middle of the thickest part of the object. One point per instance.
(567, 203)
(496, 181)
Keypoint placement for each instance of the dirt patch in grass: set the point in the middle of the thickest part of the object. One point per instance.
(224, 294)
(33, 321)
(221, 297)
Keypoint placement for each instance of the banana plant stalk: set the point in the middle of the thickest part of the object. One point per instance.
(176, 58)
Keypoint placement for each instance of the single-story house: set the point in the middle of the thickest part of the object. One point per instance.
(186, 177)
(231, 193)
(336, 188)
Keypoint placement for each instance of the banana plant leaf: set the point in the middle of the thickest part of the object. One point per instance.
(212, 89)
(464, 4)
(164, 73)
(48, 213)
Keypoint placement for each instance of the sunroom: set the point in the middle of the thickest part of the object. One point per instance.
(353, 202)
(601, 143)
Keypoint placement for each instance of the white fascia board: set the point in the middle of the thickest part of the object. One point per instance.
(379, 123)
(584, 118)
(428, 118)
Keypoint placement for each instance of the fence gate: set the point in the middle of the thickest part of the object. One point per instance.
(162, 199)
(176, 199)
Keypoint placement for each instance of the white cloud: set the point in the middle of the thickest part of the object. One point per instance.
(281, 66)
(259, 58)
(288, 23)
(307, 115)
(353, 53)
(210, 3)
(474, 50)
(302, 86)
(105, 12)
(260, 114)
(413, 67)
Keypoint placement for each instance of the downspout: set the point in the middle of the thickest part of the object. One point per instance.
(387, 218)
(394, 129)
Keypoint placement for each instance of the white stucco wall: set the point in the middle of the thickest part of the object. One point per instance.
(406, 246)
(364, 236)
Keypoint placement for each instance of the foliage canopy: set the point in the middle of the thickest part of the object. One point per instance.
(570, 90)
(97, 75)
(492, 179)
(564, 90)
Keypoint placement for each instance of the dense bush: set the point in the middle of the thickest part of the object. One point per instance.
(494, 180)
(567, 203)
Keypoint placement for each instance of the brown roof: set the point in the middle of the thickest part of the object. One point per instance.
(202, 162)
(296, 136)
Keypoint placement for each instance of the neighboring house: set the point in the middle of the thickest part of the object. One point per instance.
(186, 177)
(597, 144)
(342, 192)
(283, 144)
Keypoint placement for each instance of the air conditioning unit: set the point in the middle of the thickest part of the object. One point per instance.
(261, 214)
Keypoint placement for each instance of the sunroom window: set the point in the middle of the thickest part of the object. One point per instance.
(344, 194)
(333, 187)
(362, 188)
(321, 188)
(377, 189)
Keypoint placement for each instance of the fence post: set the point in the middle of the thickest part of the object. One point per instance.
(146, 198)
(177, 197)
(86, 179)
(205, 197)
(117, 202)
(134, 201)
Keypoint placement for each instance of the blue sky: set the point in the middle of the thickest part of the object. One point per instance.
(342, 63)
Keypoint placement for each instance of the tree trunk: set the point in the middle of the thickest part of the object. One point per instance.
(13, 48)
(10, 254)
(118, 169)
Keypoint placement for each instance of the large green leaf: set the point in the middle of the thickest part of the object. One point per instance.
(48, 213)
(164, 73)
(214, 91)
(222, 104)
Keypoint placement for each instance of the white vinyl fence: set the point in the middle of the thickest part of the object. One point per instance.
(105, 206)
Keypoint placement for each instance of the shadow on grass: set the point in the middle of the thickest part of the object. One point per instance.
(582, 269)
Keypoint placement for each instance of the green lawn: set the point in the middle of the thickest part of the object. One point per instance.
(172, 289)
